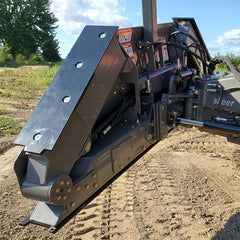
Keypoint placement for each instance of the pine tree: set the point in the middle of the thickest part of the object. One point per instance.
(28, 27)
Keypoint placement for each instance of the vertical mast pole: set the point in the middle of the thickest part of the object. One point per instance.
(149, 9)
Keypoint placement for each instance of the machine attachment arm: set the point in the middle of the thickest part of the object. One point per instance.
(118, 93)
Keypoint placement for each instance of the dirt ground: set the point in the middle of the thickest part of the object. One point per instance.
(186, 187)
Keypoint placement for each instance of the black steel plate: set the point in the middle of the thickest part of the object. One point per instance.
(52, 113)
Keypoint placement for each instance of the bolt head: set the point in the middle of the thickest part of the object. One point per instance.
(103, 35)
(37, 136)
(66, 99)
(79, 65)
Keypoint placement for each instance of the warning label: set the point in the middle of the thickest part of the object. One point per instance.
(125, 35)
(128, 48)
(164, 50)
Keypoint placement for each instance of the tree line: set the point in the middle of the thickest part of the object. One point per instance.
(27, 31)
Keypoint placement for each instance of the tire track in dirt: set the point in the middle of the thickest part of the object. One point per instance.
(106, 217)
(163, 205)
(211, 187)
(86, 224)
(117, 214)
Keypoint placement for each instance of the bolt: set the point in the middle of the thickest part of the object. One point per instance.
(57, 190)
(196, 92)
(88, 147)
(68, 183)
(73, 204)
(66, 99)
(62, 183)
(79, 65)
(37, 136)
(103, 35)
(87, 186)
(78, 189)
(95, 185)
(69, 190)
(65, 197)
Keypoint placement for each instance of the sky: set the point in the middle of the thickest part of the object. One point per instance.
(217, 20)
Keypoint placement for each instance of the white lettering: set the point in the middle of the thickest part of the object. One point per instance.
(224, 102)
(216, 101)
(228, 103)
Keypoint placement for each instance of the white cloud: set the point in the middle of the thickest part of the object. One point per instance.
(236, 51)
(230, 38)
(73, 15)
(229, 42)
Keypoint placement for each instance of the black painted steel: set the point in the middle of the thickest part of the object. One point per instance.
(47, 121)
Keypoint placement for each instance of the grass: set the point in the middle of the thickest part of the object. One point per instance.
(9, 126)
(27, 81)
(2, 111)
(222, 68)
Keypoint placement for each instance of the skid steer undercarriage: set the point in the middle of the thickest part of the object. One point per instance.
(117, 94)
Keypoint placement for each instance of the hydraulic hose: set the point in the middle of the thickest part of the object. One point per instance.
(206, 66)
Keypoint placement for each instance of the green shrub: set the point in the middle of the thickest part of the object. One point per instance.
(221, 67)
(21, 59)
(5, 55)
(35, 59)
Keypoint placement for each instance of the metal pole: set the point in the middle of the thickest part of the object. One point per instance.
(149, 9)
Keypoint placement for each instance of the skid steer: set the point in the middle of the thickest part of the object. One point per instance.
(117, 94)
